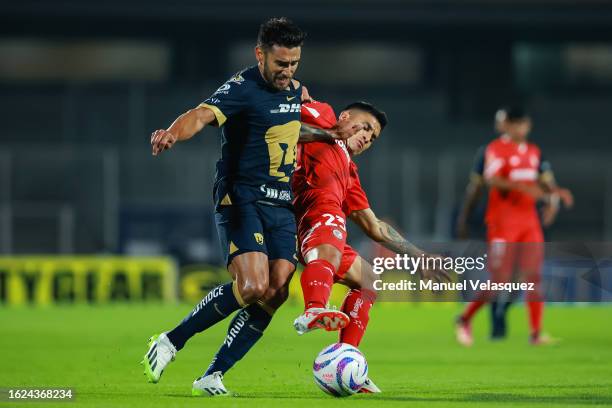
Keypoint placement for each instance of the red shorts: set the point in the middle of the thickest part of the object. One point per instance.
(515, 247)
(325, 226)
(527, 232)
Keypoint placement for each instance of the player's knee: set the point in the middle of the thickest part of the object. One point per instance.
(253, 287)
(335, 261)
(327, 253)
(333, 257)
(252, 291)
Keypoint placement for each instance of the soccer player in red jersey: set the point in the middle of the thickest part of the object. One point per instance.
(476, 187)
(518, 178)
(327, 190)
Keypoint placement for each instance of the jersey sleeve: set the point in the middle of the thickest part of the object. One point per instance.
(227, 101)
(318, 114)
(356, 198)
(494, 163)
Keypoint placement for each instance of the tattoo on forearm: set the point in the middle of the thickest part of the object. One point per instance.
(311, 134)
(395, 242)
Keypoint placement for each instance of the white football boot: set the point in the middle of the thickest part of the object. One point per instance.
(369, 388)
(209, 386)
(543, 340)
(320, 318)
(161, 353)
(463, 332)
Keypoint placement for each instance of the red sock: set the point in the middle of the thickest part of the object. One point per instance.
(471, 310)
(536, 309)
(317, 280)
(357, 304)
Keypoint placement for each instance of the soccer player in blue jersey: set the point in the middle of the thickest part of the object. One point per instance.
(258, 111)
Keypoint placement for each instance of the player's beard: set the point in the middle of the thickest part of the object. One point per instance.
(274, 79)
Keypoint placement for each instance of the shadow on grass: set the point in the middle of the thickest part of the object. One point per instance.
(497, 398)
(575, 399)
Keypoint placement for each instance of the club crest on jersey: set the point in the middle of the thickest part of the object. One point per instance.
(223, 89)
(238, 79)
(287, 108)
(259, 238)
(337, 234)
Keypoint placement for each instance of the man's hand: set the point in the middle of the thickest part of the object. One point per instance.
(551, 209)
(162, 140)
(566, 196)
(343, 130)
(549, 214)
(436, 273)
(306, 98)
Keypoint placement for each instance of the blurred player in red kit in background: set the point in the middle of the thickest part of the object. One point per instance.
(477, 186)
(471, 214)
(518, 178)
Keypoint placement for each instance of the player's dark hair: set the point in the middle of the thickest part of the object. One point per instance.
(280, 31)
(516, 114)
(371, 109)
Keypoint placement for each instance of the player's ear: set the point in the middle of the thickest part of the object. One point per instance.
(344, 115)
(259, 55)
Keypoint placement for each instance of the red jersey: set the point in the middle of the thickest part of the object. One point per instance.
(325, 172)
(519, 162)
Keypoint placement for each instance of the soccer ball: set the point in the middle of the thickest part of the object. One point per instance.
(340, 370)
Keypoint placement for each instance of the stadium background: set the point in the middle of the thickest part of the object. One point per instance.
(83, 84)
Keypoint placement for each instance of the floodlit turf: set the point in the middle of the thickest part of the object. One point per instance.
(410, 349)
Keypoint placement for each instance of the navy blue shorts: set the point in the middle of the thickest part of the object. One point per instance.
(257, 227)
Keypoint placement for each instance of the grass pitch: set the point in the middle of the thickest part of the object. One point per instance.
(410, 349)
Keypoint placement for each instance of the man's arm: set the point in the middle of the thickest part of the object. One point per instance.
(183, 128)
(507, 185)
(473, 193)
(383, 233)
(309, 133)
(555, 195)
(537, 191)
(388, 237)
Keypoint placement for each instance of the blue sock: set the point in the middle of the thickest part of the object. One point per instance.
(499, 310)
(216, 306)
(244, 331)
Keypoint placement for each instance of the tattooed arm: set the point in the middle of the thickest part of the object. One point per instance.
(341, 131)
(383, 233)
(310, 133)
(388, 237)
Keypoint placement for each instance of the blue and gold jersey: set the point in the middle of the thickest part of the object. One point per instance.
(260, 128)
